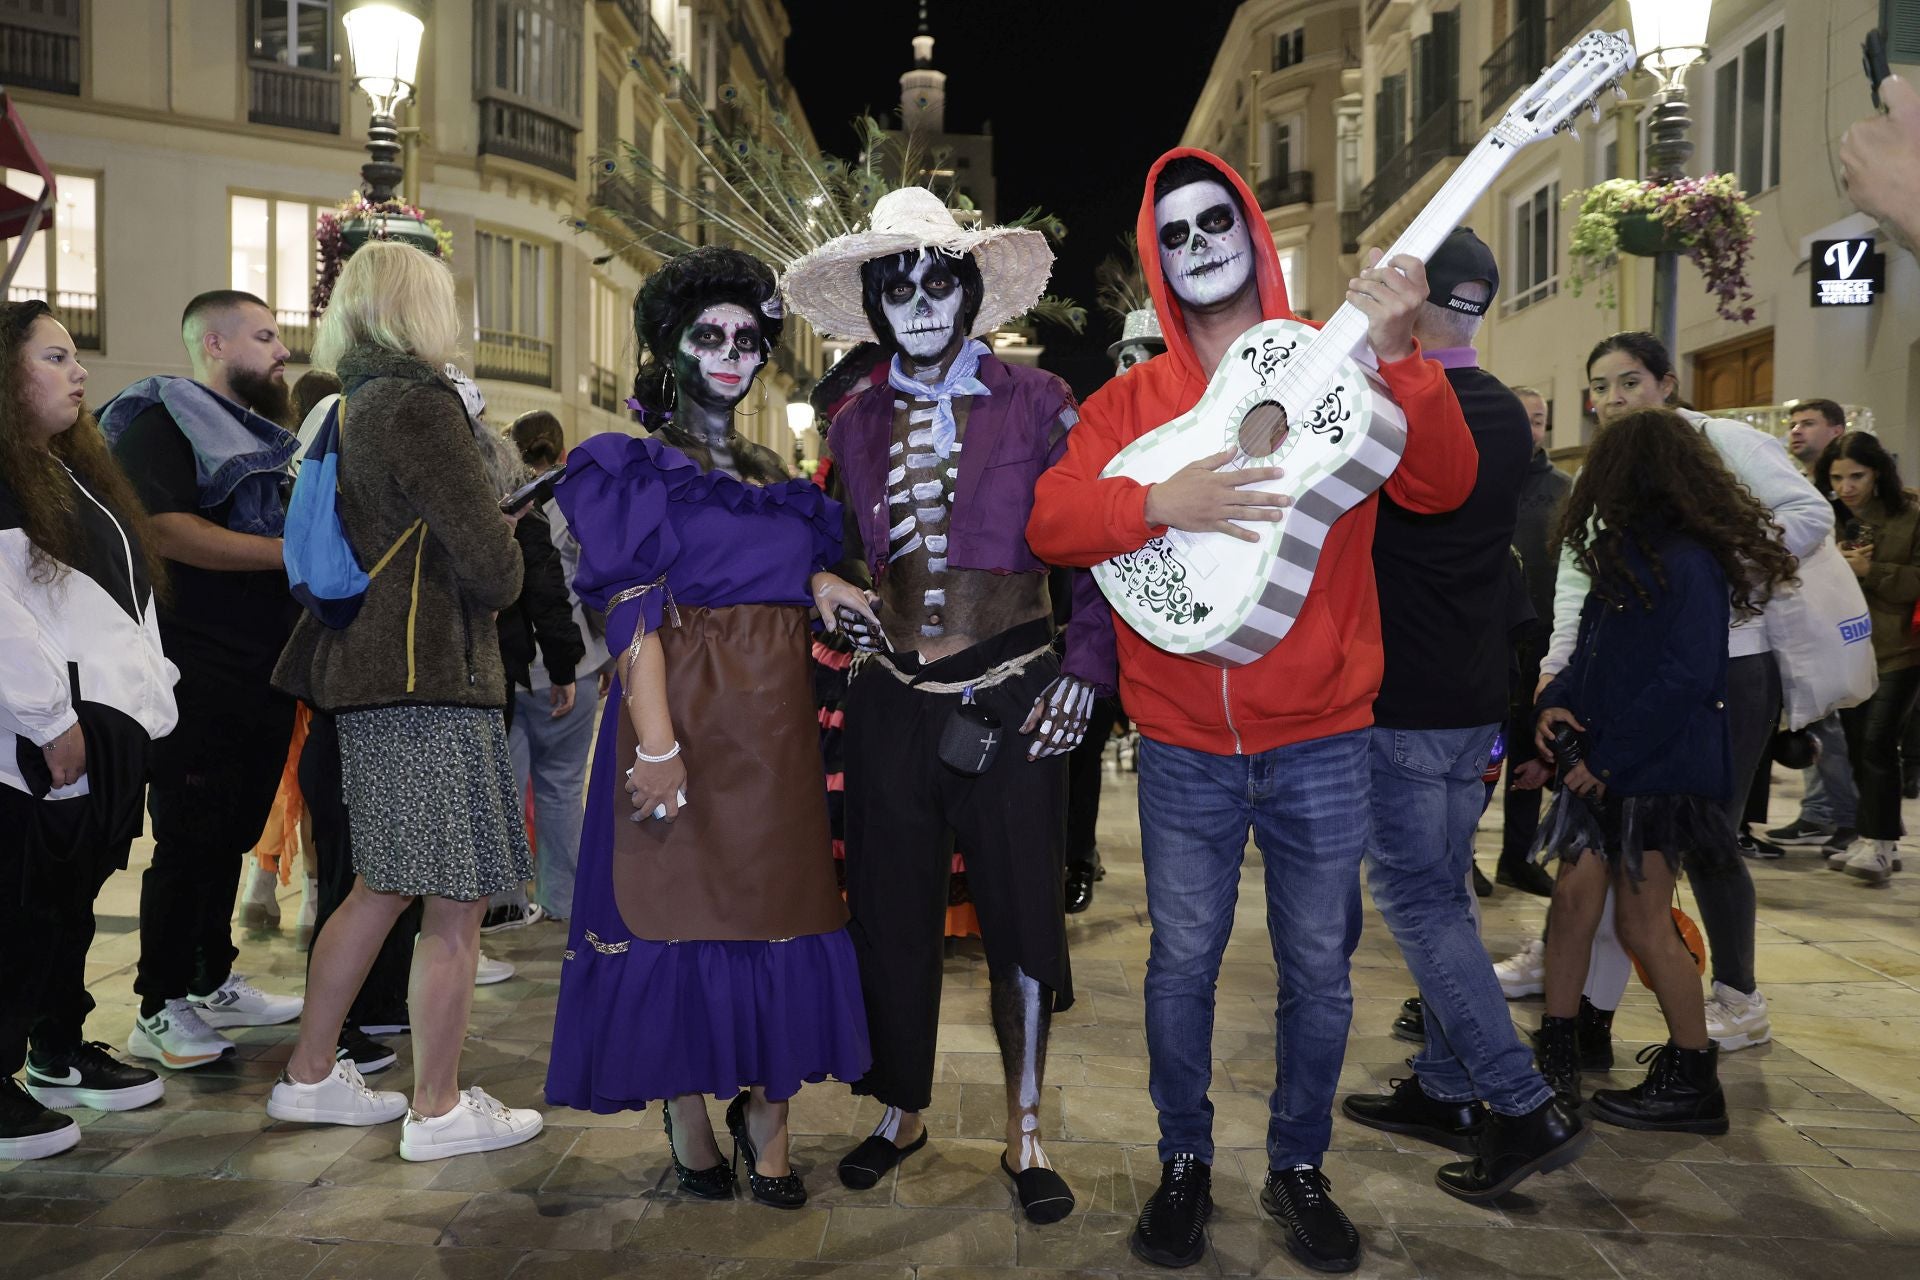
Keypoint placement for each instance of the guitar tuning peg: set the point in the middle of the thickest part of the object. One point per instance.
(1573, 131)
(1593, 109)
(1619, 92)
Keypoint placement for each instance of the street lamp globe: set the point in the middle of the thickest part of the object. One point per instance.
(384, 43)
(799, 421)
(1670, 35)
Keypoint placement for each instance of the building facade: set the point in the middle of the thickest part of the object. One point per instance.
(1282, 105)
(196, 143)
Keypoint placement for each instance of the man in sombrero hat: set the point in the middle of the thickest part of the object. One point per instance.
(958, 722)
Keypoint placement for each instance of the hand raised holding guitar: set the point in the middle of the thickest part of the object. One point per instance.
(1202, 497)
(1389, 294)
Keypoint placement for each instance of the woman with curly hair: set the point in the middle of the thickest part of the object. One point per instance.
(1880, 539)
(707, 952)
(1637, 726)
(84, 690)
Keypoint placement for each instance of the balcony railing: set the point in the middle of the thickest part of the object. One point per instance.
(1513, 65)
(1350, 228)
(631, 11)
(1294, 187)
(1442, 134)
(606, 390)
(519, 133)
(1571, 17)
(296, 334)
(654, 42)
(514, 357)
(31, 58)
(293, 97)
(78, 312)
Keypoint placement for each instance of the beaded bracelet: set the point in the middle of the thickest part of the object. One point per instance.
(644, 758)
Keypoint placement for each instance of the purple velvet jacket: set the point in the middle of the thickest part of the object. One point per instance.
(1008, 445)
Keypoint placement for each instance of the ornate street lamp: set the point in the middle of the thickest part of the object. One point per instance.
(384, 42)
(1670, 37)
(799, 421)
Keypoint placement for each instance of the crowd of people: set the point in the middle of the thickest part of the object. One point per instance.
(643, 626)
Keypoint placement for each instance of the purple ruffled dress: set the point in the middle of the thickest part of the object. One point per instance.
(645, 1014)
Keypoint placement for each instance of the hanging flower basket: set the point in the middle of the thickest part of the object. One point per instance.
(1707, 219)
(358, 220)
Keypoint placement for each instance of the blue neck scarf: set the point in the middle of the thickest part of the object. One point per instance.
(960, 381)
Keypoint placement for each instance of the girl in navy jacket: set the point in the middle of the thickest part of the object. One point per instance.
(1672, 544)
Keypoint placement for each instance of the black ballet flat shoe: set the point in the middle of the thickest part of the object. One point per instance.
(785, 1191)
(709, 1184)
(1044, 1194)
(867, 1163)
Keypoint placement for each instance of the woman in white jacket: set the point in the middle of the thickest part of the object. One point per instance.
(1625, 373)
(84, 690)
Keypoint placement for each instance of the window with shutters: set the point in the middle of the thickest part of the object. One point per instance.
(293, 71)
(62, 262)
(1289, 47)
(1746, 106)
(273, 258)
(1389, 119)
(529, 67)
(1533, 257)
(513, 296)
(1436, 66)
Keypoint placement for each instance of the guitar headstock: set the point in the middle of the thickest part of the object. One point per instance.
(1572, 84)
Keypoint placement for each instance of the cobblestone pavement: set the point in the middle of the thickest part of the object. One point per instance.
(1819, 1177)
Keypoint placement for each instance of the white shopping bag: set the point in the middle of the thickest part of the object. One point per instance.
(1822, 639)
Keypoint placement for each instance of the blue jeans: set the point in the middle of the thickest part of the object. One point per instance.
(1427, 800)
(1306, 805)
(1831, 799)
(554, 753)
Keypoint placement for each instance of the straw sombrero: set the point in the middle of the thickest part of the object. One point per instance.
(824, 286)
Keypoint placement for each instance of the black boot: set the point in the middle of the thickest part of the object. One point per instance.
(1080, 878)
(1595, 1037)
(1411, 1025)
(1408, 1110)
(1528, 877)
(1482, 887)
(1557, 1050)
(1514, 1148)
(1681, 1093)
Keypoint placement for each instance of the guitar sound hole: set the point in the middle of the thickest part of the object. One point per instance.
(1263, 430)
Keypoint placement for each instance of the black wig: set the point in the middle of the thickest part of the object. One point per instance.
(676, 294)
(875, 275)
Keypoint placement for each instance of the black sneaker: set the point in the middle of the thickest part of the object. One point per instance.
(1800, 832)
(1318, 1233)
(90, 1076)
(1753, 847)
(28, 1131)
(506, 916)
(1172, 1227)
(365, 1053)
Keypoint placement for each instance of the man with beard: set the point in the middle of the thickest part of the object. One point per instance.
(957, 726)
(1277, 748)
(208, 455)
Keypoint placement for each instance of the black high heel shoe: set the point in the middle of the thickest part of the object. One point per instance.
(709, 1184)
(783, 1192)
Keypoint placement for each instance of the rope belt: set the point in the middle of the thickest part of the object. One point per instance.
(1000, 674)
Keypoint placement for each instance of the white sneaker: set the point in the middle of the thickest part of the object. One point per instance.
(1524, 973)
(491, 971)
(177, 1037)
(1735, 1021)
(477, 1123)
(342, 1098)
(238, 1003)
(259, 907)
(1872, 861)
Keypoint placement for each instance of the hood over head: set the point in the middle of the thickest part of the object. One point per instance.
(1266, 261)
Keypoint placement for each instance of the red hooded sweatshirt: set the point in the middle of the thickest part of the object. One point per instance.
(1322, 678)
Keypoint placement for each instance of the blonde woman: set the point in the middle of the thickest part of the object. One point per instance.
(416, 686)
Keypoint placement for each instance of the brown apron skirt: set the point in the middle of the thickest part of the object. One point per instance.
(750, 856)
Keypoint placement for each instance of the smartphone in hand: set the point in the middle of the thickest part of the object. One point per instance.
(1873, 57)
(536, 490)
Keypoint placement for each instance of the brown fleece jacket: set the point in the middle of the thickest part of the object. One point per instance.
(425, 632)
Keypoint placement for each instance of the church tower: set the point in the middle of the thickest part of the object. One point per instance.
(923, 90)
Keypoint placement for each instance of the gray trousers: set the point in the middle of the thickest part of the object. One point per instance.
(1831, 799)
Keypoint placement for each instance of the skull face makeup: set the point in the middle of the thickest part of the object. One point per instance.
(1206, 253)
(1131, 354)
(922, 306)
(720, 352)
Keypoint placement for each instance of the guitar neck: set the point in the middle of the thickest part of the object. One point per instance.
(1347, 329)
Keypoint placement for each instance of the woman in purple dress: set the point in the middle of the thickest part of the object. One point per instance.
(707, 952)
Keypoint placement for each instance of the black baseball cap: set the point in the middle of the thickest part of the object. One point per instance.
(1461, 257)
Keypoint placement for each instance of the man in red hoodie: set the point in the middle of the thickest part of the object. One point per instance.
(1277, 747)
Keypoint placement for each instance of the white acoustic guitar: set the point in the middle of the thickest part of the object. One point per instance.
(1312, 403)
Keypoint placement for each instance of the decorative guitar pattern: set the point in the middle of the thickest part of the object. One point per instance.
(1311, 402)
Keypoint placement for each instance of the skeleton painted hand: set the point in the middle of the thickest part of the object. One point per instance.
(1059, 718)
(846, 608)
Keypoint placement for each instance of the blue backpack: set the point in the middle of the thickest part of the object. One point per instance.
(322, 568)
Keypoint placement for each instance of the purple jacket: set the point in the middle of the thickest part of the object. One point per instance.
(1009, 442)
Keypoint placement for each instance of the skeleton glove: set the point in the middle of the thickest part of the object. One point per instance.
(1059, 718)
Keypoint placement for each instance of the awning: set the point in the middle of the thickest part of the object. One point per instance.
(21, 214)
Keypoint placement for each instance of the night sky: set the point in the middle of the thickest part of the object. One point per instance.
(1078, 111)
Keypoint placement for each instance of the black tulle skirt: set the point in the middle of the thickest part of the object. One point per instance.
(1688, 831)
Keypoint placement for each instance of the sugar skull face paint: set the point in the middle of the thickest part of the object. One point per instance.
(720, 352)
(922, 304)
(1206, 252)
